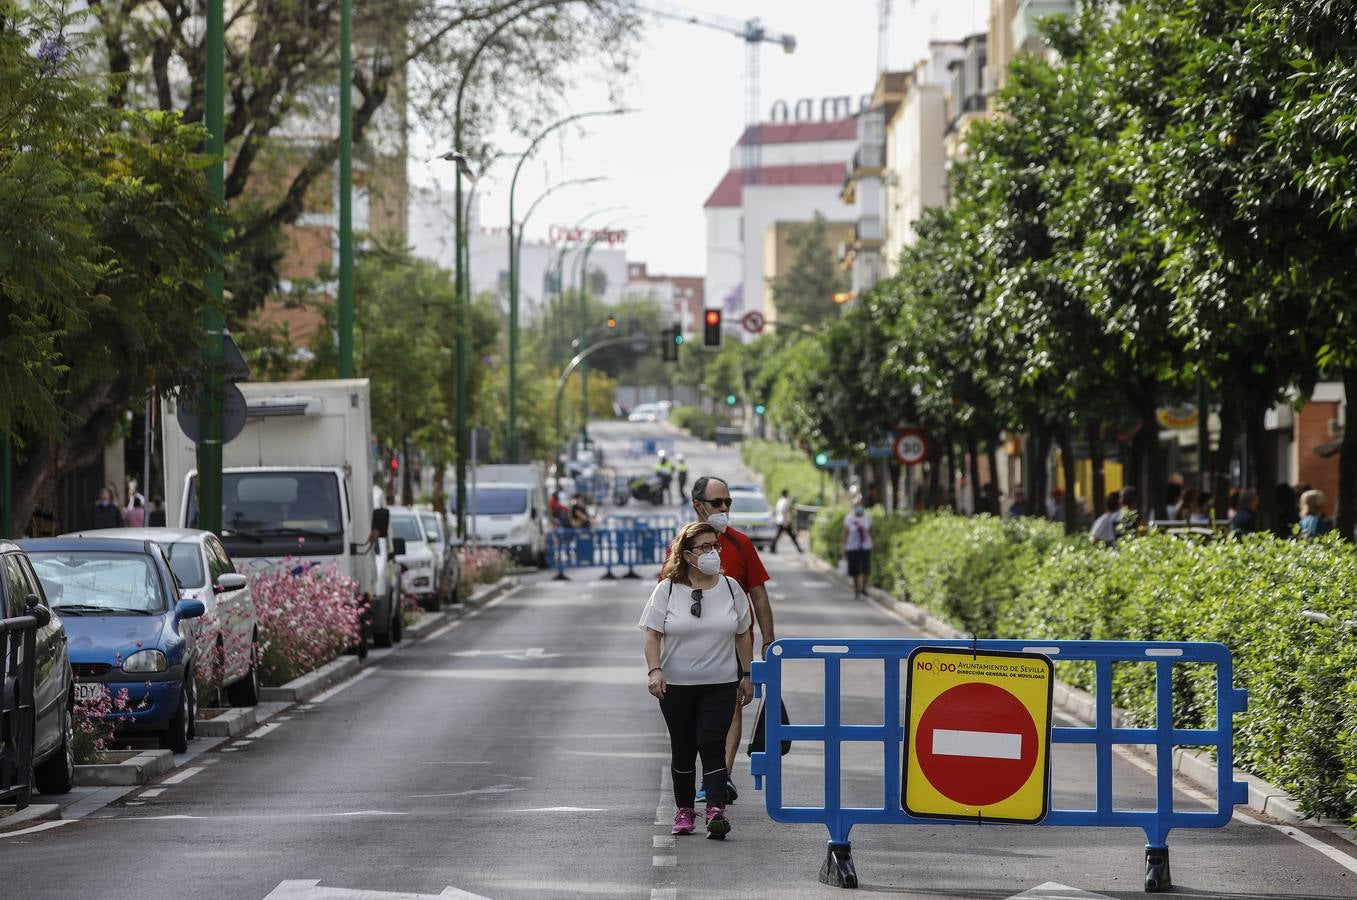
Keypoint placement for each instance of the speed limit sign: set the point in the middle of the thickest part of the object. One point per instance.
(911, 446)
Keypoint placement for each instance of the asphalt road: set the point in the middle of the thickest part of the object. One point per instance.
(517, 754)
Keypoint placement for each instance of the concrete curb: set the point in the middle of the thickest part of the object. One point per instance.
(427, 623)
(139, 769)
(1197, 766)
(312, 683)
(487, 592)
(229, 722)
(35, 812)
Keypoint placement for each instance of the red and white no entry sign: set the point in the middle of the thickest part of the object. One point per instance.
(911, 446)
(753, 321)
(976, 744)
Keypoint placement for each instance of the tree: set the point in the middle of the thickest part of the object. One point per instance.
(804, 294)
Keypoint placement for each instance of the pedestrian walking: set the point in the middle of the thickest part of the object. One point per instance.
(857, 547)
(740, 560)
(134, 516)
(106, 512)
(1312, 521)
(786, 522)
(155, 517)
(1104, 530)
(698, 647)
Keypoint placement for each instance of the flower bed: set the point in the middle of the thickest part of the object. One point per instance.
(94, 723)
(483, 565)
(307, 617)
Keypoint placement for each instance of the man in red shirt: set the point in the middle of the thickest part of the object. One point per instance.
(740, 560)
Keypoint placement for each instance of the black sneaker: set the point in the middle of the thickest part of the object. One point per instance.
(731, 794)
(718, 826)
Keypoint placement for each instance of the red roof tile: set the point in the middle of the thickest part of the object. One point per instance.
(801, 132)
(730, 192)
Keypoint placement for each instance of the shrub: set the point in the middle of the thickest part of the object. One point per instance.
(697, 423)
(218, 642)
(307, 617)
(483, 565)
(783, 468)
(94, 723)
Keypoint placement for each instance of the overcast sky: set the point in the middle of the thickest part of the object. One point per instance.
(687, 83)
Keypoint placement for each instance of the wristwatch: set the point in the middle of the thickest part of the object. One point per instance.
(744, 674)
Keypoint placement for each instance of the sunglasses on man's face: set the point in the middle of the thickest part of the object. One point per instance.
(718, 502)
(696, 608)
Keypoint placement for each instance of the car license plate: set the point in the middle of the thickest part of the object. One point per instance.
(88, 692)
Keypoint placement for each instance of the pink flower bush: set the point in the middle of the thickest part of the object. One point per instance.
(220, 650)
(482, 565)
(94, 724)
(307, 617)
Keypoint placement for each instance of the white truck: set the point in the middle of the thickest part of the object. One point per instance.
(297, 483)
(507, 508)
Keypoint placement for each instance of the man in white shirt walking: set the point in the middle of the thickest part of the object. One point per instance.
(785, 523)
(857, 547)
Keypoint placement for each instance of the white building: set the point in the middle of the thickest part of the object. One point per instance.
(801, 173)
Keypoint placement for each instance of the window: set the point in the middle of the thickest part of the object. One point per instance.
(748, 503)
(405, 527)
(186, 562)
(218, 559)
(89, 580)
(256, 504)
(16, 588)
(497, 501)
(432, 532)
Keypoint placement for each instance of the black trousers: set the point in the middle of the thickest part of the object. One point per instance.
(787, 530)
(698, 717)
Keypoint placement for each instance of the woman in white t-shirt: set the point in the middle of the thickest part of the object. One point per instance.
(857, 548)
(698, 644)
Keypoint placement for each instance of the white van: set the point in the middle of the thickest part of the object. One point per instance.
(509, 515)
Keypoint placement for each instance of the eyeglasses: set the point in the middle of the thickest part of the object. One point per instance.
(696, 608)
(718, 501)
(705, 548)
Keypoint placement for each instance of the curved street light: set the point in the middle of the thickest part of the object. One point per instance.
(559, 262)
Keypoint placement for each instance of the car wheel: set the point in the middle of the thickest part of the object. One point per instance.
(431, 602)
(192, 705)
(175, 736)
(398, 626)
(56, 774)
(245, 692)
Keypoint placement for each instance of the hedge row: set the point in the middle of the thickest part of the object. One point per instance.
(783, 468)
(1025, 579)
(699, 424)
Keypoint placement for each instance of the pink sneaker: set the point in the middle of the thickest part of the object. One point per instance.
(718, 826)
(685, 820)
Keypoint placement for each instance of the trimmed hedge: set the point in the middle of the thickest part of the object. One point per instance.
(782, 468)
(1025, 579)
(694, 421)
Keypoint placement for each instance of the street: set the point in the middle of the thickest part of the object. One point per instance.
(516, 753)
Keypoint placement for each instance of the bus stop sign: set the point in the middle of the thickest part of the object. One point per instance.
(979, 735)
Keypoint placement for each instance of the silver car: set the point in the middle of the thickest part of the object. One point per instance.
(751, 515)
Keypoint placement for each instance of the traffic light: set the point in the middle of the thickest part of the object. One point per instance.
(671, 339)
(760, 409)
(711, 329)
(821, 459)
(730, 399)
(842, 297)
(611, 323)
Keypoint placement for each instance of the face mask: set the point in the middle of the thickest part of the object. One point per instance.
(859, 509)
(719, 521)
(709, 563)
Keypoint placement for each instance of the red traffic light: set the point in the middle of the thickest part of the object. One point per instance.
(713, 317)
(711, 329)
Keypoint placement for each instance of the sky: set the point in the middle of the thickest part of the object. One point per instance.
(687, 87)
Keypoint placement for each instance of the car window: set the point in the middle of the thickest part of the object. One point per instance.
(186, 562)
(127, 582)
(432, 533)
(218, 559)
(748, 503)
(406, 527)
(16, 588)
(498, 501)
(279, 504)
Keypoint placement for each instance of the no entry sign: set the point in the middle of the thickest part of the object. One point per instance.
(979, 735)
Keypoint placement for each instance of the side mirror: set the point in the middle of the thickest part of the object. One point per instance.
(190, 609)
(230, 581)
(381, 521)
(398, 546)
(41, 614)
(534, 512)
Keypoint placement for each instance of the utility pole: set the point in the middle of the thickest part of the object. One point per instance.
(345, 191)
(214, 324)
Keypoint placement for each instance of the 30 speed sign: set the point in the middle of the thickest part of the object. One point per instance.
(911, 446)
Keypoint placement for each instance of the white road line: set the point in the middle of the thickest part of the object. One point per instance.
(986, 744)
(229, 749)
(664, 841)
(263, 730)
(342, 686)
(664, 894)
(181, 777)
(42, 826)
(438, 633)
(152, 792)
(664, 862)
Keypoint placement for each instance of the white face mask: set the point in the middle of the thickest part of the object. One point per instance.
(709, 563)
(720, 521)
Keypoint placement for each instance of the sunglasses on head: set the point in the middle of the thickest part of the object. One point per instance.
(718, 501)
(696, 608)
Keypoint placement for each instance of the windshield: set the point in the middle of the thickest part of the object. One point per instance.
(277, 504)
(497, 501)
(186, 562)
(748, 503)
(107, 581)
(430, 526)
(405, 527)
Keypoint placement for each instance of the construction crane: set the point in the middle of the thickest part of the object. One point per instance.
(753, 33)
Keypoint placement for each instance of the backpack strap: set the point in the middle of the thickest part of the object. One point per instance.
(729, 587)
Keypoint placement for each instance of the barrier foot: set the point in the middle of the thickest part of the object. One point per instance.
(838, 870)
(561, 576)
(631, 574)
(608, 576)
(1157, 876)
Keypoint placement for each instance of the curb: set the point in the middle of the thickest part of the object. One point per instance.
(309, 685)
(488, 592)
(427, 624)
(1197, 766)
(32, 813)
(230, 722)
(140, 769)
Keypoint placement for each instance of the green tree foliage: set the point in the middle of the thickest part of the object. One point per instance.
(804, 294)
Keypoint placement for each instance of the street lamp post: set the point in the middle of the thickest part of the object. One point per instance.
(345, 191)
(214, 324)
(582, 280)
(512, 431)
(559, 263)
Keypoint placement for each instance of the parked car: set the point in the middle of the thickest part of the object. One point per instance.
(206, 572)
(419, 563)
(647, 412)
(447, 563)
(21, 594)
(127, 628)
(751, 515)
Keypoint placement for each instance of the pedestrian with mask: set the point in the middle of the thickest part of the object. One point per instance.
(698, 646)
(106, 512)
(857, 547)
(740, 560)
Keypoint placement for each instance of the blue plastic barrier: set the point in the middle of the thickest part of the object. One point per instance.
(578, 548)
(839, 869)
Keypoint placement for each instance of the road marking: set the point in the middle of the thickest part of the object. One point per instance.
(562, 809)
(244, 742)
(41, 826)
(664, 894)
(310, 889)
(474, 792)
(526, 655)
(181, 777)
(664, 841)
(153, 792)
(985, 744)
(229, 749)
(1052, 890)
(342, 686)
(263, 730)
(438, 633)
(664, 862)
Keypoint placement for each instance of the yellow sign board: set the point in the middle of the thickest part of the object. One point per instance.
(979, 738)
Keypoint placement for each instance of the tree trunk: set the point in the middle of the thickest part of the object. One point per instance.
(1345, 510)
(1153, 503)
(1062, 438)
(1229, 428)
(1095, 455)
(1038, 447)
(440, 497)
(977, 499)
(1262, 458)
(407, 477)
(934, 487)
(992, 460)
(948, 496)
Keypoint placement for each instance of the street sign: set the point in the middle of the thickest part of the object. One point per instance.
(753, 321)
(233, 410)
(911, 446)
(979, 735)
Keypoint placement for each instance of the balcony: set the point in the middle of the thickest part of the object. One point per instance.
(1026, 31)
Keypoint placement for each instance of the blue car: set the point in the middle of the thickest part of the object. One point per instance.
(126, 628)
